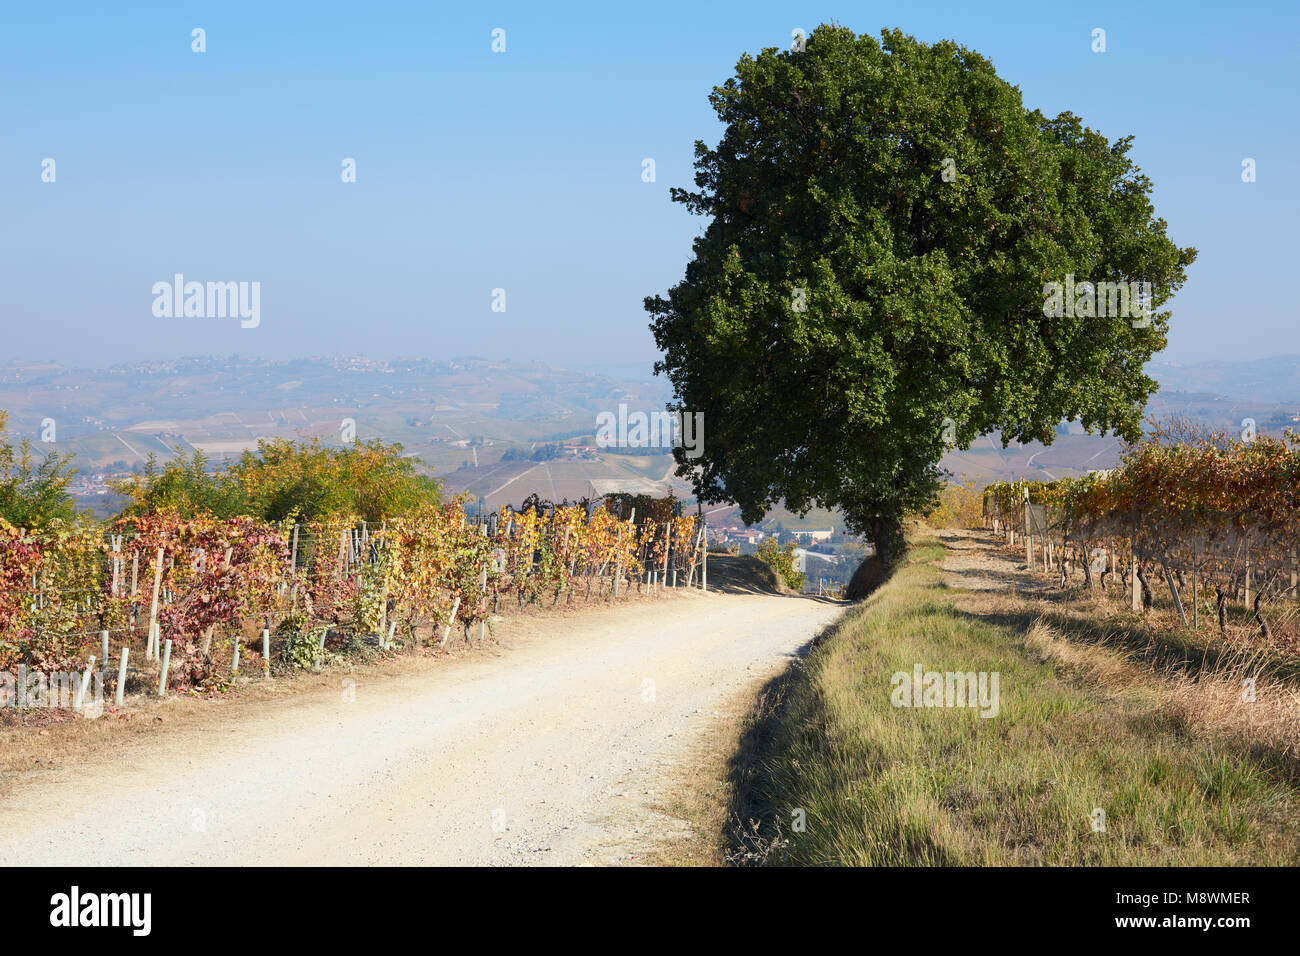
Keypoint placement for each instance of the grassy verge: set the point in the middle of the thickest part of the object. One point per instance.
(1078, 729)
(697, 793)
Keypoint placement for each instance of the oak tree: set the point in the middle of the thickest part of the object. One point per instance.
(884, 217)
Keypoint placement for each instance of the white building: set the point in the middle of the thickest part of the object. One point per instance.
(803, 558)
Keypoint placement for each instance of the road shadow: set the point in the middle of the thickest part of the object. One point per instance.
(1164, 651)
(756, 813)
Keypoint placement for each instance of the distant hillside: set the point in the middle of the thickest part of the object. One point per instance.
(461, 416)
(1217, 394)
(479, 423)
(1275, 380)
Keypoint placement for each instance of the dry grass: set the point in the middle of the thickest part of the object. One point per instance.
(1090, 718)
(1229, 700)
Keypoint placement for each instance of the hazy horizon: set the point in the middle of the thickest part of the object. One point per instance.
(626, 369)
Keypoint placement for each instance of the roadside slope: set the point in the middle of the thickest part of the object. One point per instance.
(1080, 765)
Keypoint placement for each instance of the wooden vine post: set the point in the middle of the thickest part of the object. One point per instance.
(1196, 595)
(1029, 533)
(704, 558)
(668, 546)
(1135, 581)
(482, 590)
(1173, 590)
(618, 559)
(1249, 582)
(446, 631)
(153, 606)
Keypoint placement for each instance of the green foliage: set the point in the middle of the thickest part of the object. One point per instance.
(922, 298)
(780, 558)
(543, 453)
(371, 480)
(368, 603)
(33, 493)
(302, 649)
(284, 479)
(187, 486)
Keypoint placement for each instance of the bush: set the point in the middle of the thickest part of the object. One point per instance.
(960, 506)
(302, 649)
(780, 558)
(283, 480)
(32, 492)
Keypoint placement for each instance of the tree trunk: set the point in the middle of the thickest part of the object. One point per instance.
(1264, 630)
(886, 537)
(1148, 597)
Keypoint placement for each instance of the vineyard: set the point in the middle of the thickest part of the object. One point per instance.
(1212, 521)
(201, 593)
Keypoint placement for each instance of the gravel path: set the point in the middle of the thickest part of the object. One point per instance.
(553, 752)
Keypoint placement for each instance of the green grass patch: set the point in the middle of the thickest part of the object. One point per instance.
(878, 784)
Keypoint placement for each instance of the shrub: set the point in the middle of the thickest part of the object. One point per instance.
(780, 558)
(960, 506)
(302, 649)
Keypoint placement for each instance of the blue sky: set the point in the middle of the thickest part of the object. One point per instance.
(522, 170)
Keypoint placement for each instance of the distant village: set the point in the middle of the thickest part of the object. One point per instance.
(827, 556)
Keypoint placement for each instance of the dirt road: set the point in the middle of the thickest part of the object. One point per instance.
(552, 752)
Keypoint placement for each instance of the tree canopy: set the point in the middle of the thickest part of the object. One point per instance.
(33, 492)
(884, 218)
(283, 478)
